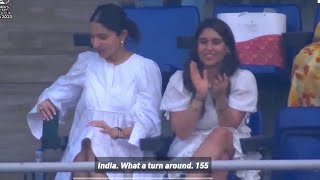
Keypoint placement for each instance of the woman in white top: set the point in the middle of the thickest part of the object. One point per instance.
(117, 95)
(210, 101)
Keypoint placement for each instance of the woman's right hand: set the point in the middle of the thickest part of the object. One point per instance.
(47, 109)
(200, 83)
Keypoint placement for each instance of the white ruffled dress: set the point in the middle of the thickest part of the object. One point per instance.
(124, 95)
(243, 97)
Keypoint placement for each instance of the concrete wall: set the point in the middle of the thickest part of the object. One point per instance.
(36, 47)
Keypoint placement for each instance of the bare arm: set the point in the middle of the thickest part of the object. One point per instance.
(116, 133)
(184, 122)
(112, 131)
(227, 116)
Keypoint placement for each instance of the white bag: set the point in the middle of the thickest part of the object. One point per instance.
(258, 36)
(246, 25)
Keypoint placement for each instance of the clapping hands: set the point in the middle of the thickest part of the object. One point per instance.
(217, 87)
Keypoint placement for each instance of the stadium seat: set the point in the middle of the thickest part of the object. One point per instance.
(50, 135)
(316, 18)
(166, 35)
(295, 41)
(258, 142)
(160, 28)
(297, 137)
(166, 38)
(163, 30)
(256, 124)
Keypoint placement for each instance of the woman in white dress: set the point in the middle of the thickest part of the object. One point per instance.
(117, 95)
(210, 101)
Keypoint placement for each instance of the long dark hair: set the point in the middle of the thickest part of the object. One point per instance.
(230, 63)
(114, 18)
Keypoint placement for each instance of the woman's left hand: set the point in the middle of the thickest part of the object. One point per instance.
(219, 86)
(113, 132)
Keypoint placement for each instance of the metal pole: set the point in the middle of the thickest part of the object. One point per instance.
(266, 164)
(216, 165)
(47, 166)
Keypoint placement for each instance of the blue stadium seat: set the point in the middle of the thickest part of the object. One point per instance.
(256, 124)
(316, 18)
(160, 28)
(166, 36)
(294, 24)
(163, 30)
(298, 137)
(259, 141)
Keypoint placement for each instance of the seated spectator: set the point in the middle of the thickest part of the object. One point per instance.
(117, 95)
(305, 79)
(209, 103)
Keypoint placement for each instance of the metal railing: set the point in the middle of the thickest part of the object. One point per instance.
(216, 165)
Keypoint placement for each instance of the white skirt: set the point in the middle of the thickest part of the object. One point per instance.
(187, 147)
(102, 144)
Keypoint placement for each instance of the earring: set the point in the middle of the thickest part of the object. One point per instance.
(122, 43)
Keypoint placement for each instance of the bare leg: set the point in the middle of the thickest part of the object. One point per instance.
(221, 174)
(218, 146)
(91, 157)
(80, 157)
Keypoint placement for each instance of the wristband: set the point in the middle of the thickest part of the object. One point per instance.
(120, 132)
(199, 98)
